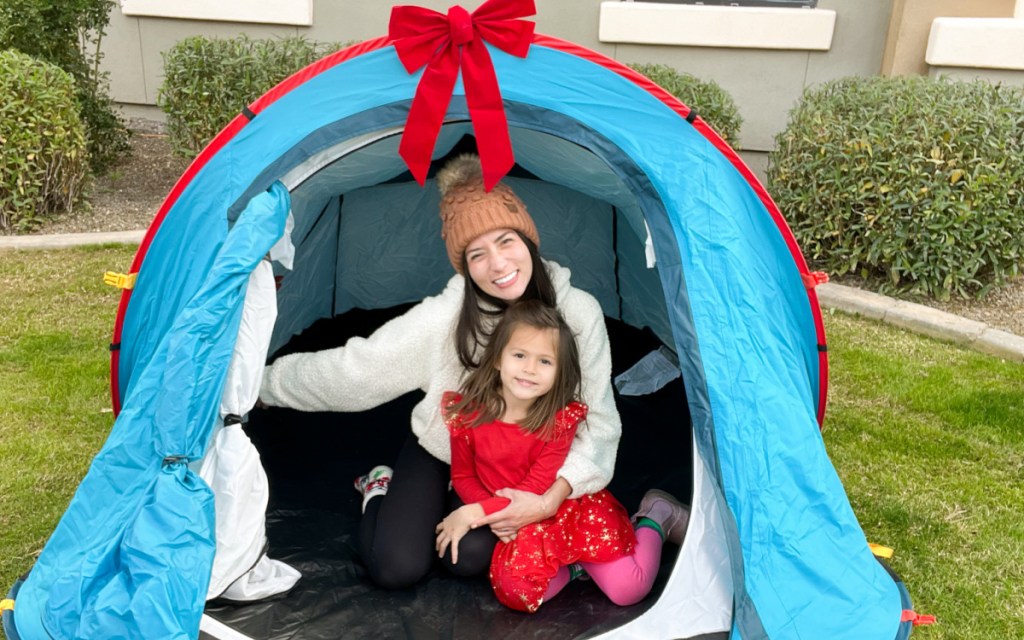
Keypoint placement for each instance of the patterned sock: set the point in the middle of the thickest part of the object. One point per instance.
(651, 524)
(575, 571)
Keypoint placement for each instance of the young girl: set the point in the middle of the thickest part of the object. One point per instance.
(512, 426)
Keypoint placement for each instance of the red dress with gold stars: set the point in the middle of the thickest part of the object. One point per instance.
(497, 455)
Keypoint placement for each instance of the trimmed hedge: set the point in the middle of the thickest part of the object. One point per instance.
(713, 103)
(913, 184)
(43, 157)
(207, 81)
(68, 33)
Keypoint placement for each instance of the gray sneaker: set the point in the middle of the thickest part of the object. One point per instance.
(670, 514)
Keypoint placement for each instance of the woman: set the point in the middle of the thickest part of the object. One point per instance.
(492, 244)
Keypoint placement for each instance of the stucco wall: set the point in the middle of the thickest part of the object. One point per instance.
(765, 83)
(133, 45)
(911, 23)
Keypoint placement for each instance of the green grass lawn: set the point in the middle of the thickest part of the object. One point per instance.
(928, 439)
(56, 318)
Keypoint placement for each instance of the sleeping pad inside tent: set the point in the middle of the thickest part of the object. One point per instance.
(300, 225)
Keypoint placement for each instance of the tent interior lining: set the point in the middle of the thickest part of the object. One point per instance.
(313, 517)
(580, 176)
(367, 245)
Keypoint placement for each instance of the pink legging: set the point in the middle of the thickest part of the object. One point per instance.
(625, 581)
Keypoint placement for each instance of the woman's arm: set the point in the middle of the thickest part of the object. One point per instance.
(591, 461)
(525, 508)
(365, 372)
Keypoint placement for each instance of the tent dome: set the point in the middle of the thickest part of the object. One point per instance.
(656, 217)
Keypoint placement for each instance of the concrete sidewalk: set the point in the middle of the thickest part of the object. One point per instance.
(66, 240)
(912, 317)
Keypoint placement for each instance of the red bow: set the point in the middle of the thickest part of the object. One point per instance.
(446, 44)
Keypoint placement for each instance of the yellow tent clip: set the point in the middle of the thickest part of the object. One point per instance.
(7, 605)
(880, 551)
(120, 280)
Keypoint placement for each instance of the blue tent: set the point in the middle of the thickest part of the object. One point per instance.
(656, 217)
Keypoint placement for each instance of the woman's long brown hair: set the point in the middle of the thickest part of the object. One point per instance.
(471, 333)
(481, 392)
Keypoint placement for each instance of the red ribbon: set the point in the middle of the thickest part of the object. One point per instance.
(446, 44)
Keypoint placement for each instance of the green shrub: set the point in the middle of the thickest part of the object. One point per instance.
(42, 142)
(911, 181)
(207, 81)
(68, 34)
(711, 102)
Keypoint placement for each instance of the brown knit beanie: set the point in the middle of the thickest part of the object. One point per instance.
(467, 211)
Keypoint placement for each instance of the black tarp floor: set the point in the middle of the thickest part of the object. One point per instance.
(311, 459)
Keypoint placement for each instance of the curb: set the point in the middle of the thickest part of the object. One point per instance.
(907, 315)
(923, 319)
(67, 240)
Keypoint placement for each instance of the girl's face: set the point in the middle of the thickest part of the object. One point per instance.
(528, 367)
(499, 263)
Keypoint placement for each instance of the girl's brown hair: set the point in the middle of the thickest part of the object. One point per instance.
(470, 332)
(481, 392)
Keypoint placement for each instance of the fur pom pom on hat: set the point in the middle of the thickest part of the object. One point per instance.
(467, 210)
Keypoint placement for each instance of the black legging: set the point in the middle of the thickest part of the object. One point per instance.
(397, 531)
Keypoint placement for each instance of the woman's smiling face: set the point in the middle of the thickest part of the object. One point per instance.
(500, 264)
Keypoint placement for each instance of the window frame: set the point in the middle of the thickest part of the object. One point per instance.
(282, 12)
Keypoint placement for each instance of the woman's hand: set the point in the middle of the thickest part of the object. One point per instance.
(454, 527)
(525, 508)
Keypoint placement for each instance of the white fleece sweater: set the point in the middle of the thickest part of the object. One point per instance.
(417, 351)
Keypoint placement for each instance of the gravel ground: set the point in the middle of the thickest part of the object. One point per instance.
(130, 196)
(1003, 309)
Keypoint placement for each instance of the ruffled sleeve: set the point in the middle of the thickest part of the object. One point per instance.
(456, 422)
(568, 419)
